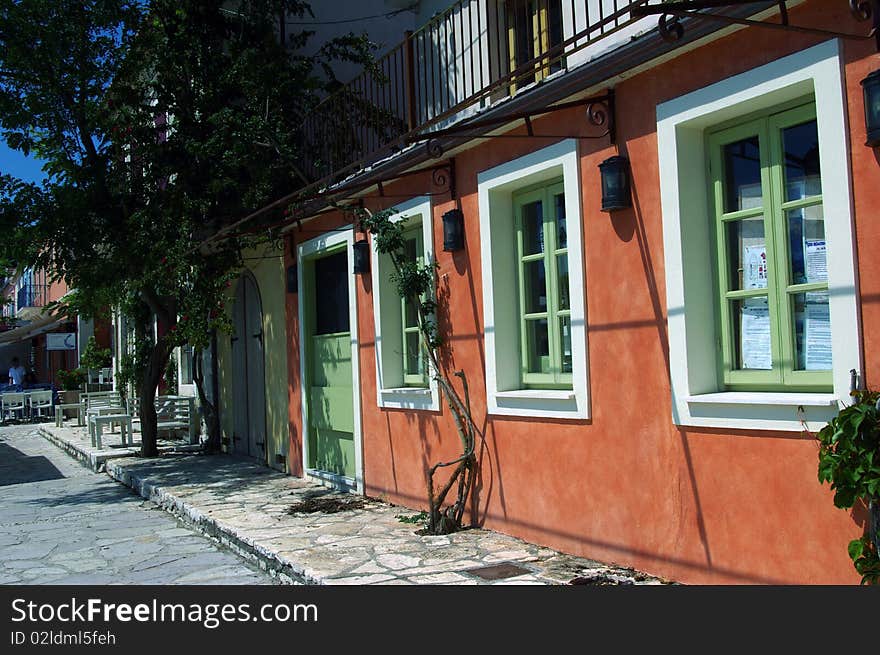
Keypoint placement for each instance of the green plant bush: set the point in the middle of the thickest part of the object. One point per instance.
(849, 459)
(71, 380)
(93, 357)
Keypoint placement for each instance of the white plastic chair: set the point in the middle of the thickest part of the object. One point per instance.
(11, 403)
(40, 401)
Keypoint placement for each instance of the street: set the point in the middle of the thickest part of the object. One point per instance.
(63, 524)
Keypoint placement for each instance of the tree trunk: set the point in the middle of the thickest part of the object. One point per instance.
(153, 372)
(212, 416)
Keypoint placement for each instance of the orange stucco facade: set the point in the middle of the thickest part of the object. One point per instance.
(698, 505)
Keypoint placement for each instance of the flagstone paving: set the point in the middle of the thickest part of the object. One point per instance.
(61, 523)
(246, 506)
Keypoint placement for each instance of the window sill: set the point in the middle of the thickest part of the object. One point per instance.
(539, 403)
(764, 398)
(537, 394)
(414, 398)
(407, 391)
(755, 410)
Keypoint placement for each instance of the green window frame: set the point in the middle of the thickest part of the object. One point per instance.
(544, 290)
(770, 253)
(414, 361)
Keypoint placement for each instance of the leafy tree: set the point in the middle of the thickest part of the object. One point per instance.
(160, 122)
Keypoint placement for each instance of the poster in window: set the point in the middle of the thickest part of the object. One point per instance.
(755, 334)
(755, 273)
(815, 255)
(817, 332)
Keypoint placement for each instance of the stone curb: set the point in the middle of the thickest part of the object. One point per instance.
(97, 461)
(278, 566)
(93, 461)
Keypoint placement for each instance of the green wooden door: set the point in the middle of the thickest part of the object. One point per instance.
(330, 396)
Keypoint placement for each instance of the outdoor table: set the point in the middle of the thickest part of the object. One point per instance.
(93, 412)
(96, 422)
(59, 414)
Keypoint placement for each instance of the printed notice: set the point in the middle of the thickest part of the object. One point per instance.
(816, 261)
(755, 334)
(755, 273)
(817, 333)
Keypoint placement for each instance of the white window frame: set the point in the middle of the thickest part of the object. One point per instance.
(184, 389)
(390, 390)
(698, 397)
(504, 391)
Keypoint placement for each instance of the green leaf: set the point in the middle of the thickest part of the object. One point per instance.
(856, 548)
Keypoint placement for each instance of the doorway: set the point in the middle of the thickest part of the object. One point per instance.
(248, 376)
(329, 362)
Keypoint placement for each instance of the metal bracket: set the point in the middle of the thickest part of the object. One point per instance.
(600, 112)
(671, 29)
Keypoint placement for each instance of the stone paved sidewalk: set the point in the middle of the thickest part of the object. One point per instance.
(62, 524)
(75, 441)
(248, 508)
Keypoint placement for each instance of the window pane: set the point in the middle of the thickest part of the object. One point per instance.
(561, 234)
(812, 325)
(565, 340)
(331, 300)
(534, 287)
(411, 315)
(806, 245)
(747, 254)
(413, 349)
(410, 249)
(562, 281)
(801, 151)
(533, 228)
(742, 175)
(186, 365)
(537, 346)
(751, 333)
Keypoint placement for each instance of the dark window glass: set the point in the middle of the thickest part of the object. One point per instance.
(331, 294)
(801, 152)
(742, 175)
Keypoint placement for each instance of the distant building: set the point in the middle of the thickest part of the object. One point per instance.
(44, 342)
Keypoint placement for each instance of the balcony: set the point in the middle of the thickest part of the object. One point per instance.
(475, 54)
(32, 295)
(30, 299)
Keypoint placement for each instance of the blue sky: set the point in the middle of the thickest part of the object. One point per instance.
(15, 163)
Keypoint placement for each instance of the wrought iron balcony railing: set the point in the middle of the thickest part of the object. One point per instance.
(475, 53)
(32, 295)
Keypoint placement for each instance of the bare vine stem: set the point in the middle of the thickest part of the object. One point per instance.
(440, 520)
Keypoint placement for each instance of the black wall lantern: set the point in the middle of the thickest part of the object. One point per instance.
(871, 91)
(361, 251)
(292, 279)
(615, 183)
(453, 230)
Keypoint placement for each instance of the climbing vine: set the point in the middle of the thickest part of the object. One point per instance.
(415, 282)
(849, 459)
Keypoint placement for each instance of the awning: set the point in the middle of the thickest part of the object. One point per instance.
(41, 324)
